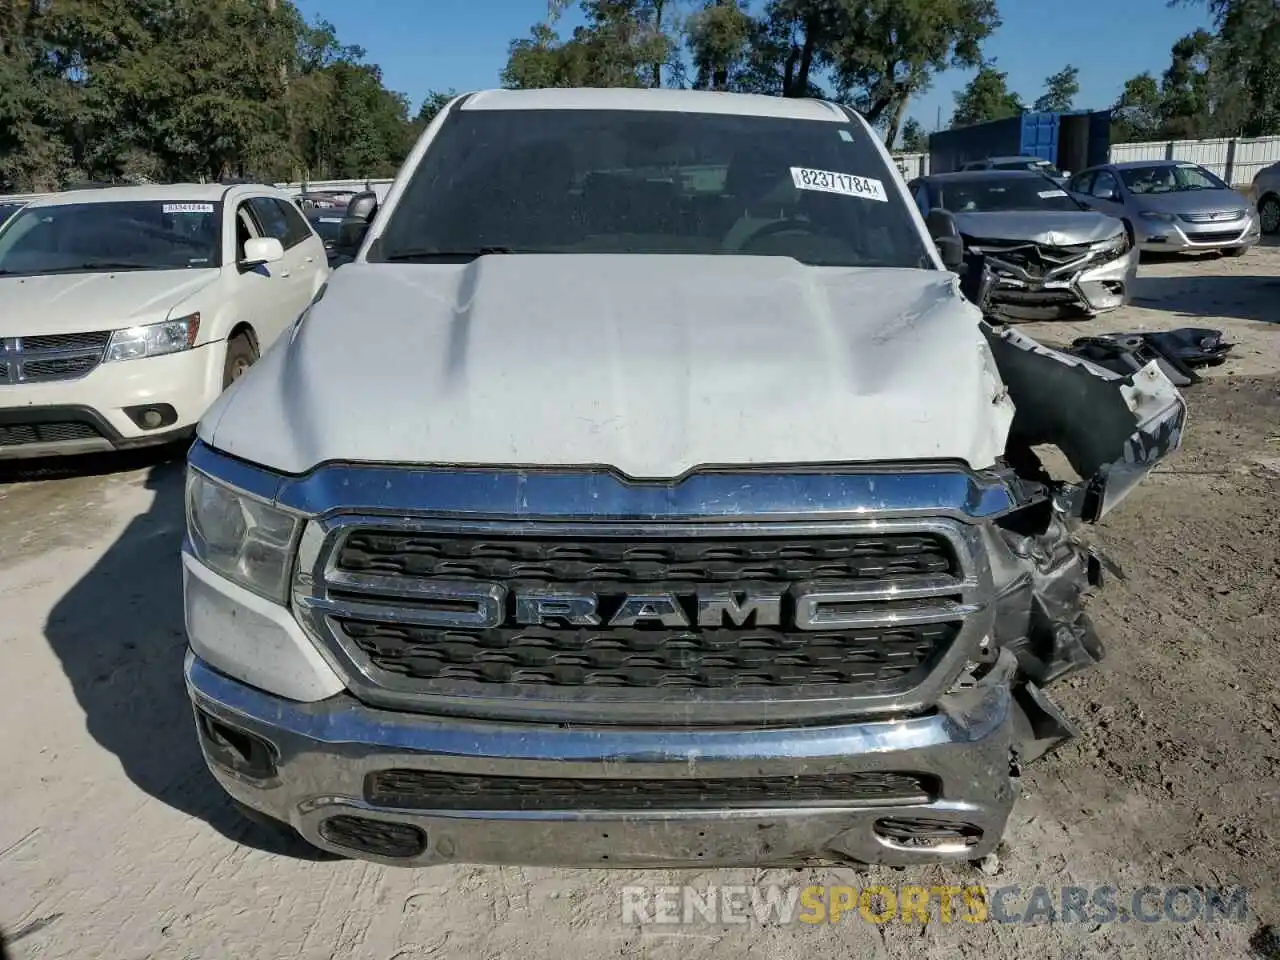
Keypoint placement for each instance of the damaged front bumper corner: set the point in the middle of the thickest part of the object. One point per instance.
(1112, 428)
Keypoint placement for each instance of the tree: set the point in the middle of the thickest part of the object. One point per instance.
(1136, 115)
(435, 101)
(618, 47)
(914, 139)
(1246, 88)
(182, 89)
(1059, 91)
(987, 97)
(720, 38)
(888, 51)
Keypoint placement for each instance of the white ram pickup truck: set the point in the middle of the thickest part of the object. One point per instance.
(645, 492)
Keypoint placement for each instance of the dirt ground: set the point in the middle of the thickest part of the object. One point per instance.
(115, 843)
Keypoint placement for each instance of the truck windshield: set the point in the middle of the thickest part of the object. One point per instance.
(988, 194)
(127, 235)
(652, 182)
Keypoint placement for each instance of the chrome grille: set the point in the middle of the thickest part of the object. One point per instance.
(1216, 216)
(40, 359)
(395, 603)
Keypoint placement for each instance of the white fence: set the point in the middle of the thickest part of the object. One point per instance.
(1235, 160)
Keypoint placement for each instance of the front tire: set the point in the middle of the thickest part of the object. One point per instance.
(241, 355)
(1269, 214)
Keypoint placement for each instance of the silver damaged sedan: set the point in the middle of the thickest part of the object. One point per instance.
(1171, 206)
(1050, 258)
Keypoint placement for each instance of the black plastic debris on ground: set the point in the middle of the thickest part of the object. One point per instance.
(1177, 351)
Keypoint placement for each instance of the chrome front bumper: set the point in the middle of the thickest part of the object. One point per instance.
(321, 754)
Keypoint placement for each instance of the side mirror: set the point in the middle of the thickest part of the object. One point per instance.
(260, 250)
(355, 223)
(946, 236)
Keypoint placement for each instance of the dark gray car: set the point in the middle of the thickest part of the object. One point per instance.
(1051, 258)
(1171, 206)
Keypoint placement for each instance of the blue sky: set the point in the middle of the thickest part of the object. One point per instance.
(423, 45)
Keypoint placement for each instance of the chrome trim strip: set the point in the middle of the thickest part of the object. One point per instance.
(810, 493)
(967, 603)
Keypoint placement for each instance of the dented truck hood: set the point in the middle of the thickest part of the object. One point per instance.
(654, 366)
(650, 365)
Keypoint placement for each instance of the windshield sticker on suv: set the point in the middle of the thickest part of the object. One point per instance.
(188, 208)
(847, 184)
(846, 136)
(1046, 194)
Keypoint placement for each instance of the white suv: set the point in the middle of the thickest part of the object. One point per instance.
(124, 312)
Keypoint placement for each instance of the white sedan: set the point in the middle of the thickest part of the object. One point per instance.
(124, 312)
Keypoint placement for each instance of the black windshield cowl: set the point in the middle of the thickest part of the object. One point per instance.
(444, 256)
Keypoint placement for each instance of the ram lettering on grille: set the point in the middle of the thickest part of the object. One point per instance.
(654, 614)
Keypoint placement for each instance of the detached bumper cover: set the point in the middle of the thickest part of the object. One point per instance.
(320, 767)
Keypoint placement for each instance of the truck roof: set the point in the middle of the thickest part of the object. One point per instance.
(176, 192)
(672, 101)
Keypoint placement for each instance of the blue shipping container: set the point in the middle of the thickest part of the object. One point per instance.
(1070, 141)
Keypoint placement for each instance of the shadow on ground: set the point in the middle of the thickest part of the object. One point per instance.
(1238, 296)
(120, 637)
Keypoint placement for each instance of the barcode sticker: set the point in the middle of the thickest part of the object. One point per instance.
(846, 184)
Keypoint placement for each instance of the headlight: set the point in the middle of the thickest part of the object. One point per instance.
(1157, 215)
(155, 339)
(240, 537)
(1113, 245)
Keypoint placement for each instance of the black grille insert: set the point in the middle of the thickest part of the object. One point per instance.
(20, 434)
(62, 368)
(430, 790)
(884, 659)
(701, 560)
(398, 840)
(1215, 236)
(67, 341)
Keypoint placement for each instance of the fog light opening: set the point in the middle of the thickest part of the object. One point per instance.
(152, 416)
(236, 749)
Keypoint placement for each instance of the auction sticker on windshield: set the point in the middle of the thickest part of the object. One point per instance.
(188, 208)
(847, 184)
(1049, 194)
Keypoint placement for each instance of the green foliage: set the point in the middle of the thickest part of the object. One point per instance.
(914, 139)
(1059, 91)
(1222, 84)
(187, 89)
(987, 97)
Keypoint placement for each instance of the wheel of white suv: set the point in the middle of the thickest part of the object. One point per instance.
(241, 355)
(1269, 214)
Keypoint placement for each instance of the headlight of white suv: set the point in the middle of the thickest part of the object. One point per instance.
(154, 339)
(242, 538)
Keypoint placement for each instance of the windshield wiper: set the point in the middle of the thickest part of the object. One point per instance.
(444, 256)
